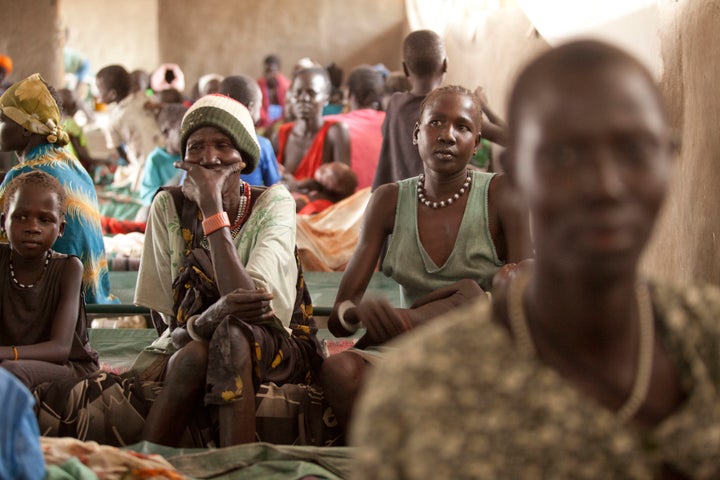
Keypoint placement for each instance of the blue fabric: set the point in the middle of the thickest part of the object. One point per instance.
(266, 173)
(332, 109)
(83, 235)
(20, 455)
(158, 170)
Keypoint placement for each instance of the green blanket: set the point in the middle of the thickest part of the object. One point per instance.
(256, 460)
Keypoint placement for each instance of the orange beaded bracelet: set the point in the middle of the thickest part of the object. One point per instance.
(215, 222)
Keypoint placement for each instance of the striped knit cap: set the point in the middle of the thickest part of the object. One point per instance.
(230, 117)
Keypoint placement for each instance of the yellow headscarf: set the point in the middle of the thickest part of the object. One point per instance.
(30, 104)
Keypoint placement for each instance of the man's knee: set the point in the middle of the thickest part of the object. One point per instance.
(342, 370)
(190, 362)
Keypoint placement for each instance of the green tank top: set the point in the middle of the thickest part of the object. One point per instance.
(473, 255)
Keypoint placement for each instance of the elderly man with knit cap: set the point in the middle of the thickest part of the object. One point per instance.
(219, 264)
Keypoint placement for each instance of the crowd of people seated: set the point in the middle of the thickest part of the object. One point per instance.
(527, 344)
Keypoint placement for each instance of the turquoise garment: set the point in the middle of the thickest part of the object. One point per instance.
(158, 171)
(266, 173)
(20, 455)
(473, 255)
(83, 235)
(332, 109)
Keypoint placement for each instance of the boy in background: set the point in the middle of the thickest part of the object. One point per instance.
(247, 91)
(159, 167)
(274, 86)
(425, 65)
(132, 128)
(78, 140)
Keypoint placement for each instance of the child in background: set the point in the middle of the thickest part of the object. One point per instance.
(78, 140)
(140, 82)
(42, 316)
(159, 167)
(274, 86)
(395, 81)
(332, 182)
(245, 90)
(132, 128)
(424, 64)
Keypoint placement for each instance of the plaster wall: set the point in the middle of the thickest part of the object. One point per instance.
(108, 31)
(686, 243)
(233, 36)
(31, 37)
(493, 57)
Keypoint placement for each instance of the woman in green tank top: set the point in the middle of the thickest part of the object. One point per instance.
(450, 230)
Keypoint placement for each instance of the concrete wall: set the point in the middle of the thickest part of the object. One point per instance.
(111, 31)
(685, 245)
(233, 36)
(495, 55)
(31, 37)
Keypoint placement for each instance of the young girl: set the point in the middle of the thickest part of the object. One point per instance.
(43, 329)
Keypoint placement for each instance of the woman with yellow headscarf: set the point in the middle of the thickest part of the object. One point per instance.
(30, 126)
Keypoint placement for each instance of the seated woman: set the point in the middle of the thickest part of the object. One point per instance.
(231, 291)
(29, 122)
(42, 316)
(582, 369)
(450, 229)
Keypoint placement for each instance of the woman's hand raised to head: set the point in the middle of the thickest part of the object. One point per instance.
(205, 186)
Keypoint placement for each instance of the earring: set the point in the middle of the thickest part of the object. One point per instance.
(414, 142)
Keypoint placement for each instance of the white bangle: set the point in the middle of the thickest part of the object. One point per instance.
(190, 326)
(344, 306)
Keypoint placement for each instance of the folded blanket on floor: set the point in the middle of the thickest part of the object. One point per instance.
(257, 460)
(326, 241)
(72, 458)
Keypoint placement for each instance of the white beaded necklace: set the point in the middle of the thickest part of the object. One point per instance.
(443, 203)
(643, 374)
(22, 285)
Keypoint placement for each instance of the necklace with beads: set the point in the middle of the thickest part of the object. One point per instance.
(48, 255)
(442, 203)
(240, 218)
(643, 374)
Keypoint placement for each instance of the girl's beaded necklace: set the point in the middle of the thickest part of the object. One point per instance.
(442, 203)
(48, 255)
